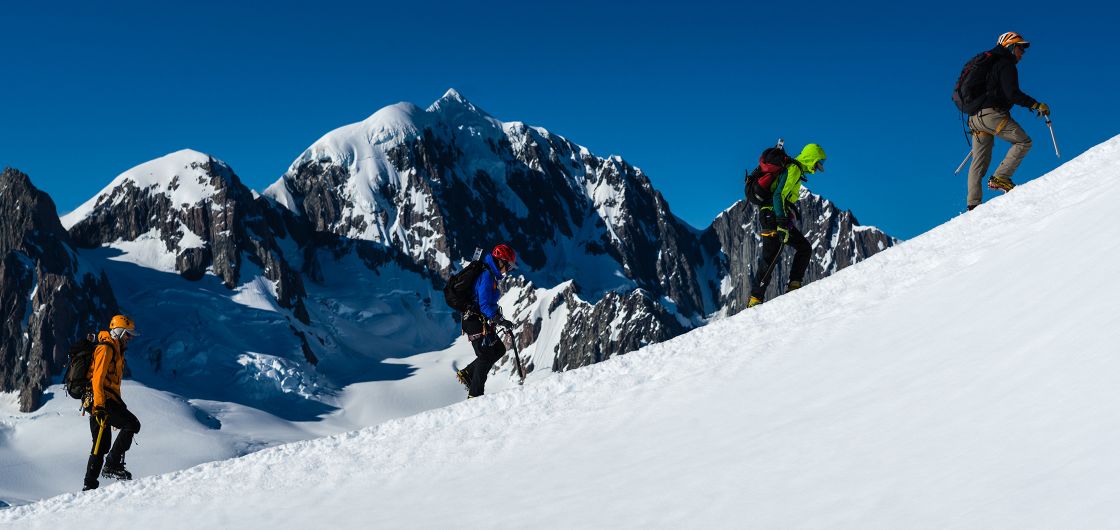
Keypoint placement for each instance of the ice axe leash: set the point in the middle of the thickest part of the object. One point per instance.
(516, 357)
(777, 258)
(1050, 125)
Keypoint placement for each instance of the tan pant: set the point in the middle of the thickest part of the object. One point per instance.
(986, 125)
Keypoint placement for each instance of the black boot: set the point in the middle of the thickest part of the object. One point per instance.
(114, 468)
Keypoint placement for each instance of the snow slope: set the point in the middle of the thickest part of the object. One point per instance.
(985, 399)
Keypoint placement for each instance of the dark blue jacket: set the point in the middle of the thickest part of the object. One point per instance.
(486, 289)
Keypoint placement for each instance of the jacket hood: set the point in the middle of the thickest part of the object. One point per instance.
(489, 260)
(809, 157)
(104, 336)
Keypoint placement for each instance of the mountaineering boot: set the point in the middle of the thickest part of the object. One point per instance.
(753, 302)
(89, 486)
(115, 469)
(464, 378)
(793, 285)
(1003, 184)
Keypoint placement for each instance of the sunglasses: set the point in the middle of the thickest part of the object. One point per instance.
(819, 166)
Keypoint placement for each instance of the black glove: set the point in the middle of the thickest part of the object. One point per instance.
(99, 414)
(505, 323)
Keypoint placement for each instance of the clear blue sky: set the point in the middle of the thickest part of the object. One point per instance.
(689, 91)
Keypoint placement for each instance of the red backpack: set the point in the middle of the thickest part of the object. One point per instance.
(759, 180)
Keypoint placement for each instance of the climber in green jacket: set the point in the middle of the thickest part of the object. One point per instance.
(778, 227)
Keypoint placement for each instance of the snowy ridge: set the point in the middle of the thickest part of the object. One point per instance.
(179, 175)
(975, 406)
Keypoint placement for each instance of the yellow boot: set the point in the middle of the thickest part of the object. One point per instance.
(753, 301)
(1003, 184)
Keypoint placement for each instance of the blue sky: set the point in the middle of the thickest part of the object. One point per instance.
(690, 92)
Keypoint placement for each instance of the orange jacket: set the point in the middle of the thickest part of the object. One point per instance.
(107, 369)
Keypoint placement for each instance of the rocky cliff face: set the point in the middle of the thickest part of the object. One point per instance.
(49, 295)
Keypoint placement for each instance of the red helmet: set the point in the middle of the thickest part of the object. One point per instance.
(505, 253)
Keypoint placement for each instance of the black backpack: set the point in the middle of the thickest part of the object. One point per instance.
(459, 292)
(972, 85)
(758, 181)
(76, 377)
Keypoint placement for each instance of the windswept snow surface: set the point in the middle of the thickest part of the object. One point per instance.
(964, 379)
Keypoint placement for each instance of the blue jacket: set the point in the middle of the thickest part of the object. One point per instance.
(486, 289)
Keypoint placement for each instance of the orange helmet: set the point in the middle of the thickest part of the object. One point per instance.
(505, 253)
(1011, 39)
(123, 322)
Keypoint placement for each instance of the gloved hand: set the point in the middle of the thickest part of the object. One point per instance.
(505, 323)
(783, 233)
(1041, 109)
(99, 414)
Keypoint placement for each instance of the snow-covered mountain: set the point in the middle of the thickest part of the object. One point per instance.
(316, 307)
(194, 216)
(434, 184)
(932, 385)
(216, 275)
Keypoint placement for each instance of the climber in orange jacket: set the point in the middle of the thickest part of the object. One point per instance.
(106, 407)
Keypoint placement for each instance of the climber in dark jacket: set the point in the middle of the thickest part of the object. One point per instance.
(994, 119)
(481, 322)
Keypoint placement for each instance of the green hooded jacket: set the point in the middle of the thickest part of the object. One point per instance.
(787, 188)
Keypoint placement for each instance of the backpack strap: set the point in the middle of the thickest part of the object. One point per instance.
(112, 347)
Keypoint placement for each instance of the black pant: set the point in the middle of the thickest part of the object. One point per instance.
(488, 348)
(118, 416)
(768, 261)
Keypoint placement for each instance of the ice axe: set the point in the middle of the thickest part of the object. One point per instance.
(1050, 125)
(963, 162)
(97, 445)
(516, 357)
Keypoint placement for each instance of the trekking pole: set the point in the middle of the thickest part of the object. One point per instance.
(516, 357)
(1052, 138)
(963, 162)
